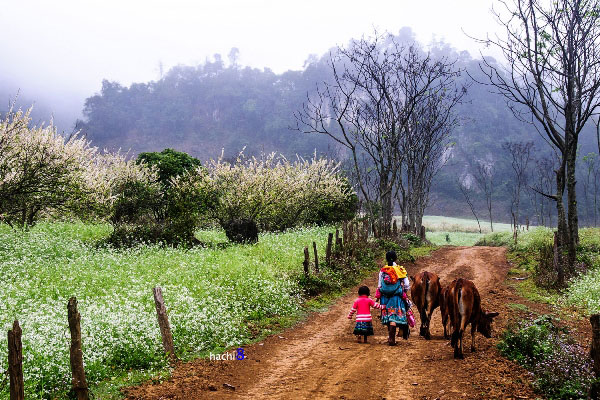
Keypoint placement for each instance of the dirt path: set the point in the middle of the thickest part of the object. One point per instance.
(319, 359)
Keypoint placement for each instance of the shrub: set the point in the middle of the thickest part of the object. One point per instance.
(496, 239)
(241, 231)
(412, 238)
(169, 164)
(326, 210)
(144, 209)
(561, 368)
(275, 193)
(40, 170)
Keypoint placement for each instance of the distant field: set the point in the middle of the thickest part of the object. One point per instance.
(458, 231)
(435, 223)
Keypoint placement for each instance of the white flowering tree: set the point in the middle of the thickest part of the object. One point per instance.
(271, 192)
(40, 170)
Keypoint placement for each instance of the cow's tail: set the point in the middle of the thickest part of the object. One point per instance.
(426, 305)
(457, 329)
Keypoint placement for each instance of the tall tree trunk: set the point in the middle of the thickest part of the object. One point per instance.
(561, 221)
(573, 219)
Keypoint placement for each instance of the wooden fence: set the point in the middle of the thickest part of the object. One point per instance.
(342, 243)
(352, 233)
(78, 379)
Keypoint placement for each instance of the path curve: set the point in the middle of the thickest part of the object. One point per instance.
(319, 359)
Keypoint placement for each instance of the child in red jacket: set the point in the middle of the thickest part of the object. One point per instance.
(362, 308)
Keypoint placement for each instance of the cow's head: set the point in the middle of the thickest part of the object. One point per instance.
(484, 326)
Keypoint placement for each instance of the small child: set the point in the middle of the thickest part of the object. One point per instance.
(362, 308)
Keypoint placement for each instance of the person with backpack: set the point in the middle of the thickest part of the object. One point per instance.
(362, 308)
(392, 291)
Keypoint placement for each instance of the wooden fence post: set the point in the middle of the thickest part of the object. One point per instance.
(595, 354)
(316, 257)
(328, 250)
(339, 246)
(350, 232)
(422, 232)
(163, 324)
(366, 229)
(395, 228)
(306, 261)
(15, 363)
(345, 232)
(80, 386)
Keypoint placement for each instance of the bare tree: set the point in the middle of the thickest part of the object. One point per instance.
(521, 153)
(466, 193)
(542, 182)
(483, 173)
(377, 85)
(552, 68)
(425, 147)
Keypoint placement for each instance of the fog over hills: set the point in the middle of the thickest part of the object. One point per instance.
(129, 87)
(221, 105)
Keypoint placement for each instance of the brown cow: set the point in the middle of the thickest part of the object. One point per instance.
(426, 295)
(444, 309)
(464, 307)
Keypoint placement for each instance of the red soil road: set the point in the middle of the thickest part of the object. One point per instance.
(319, 359)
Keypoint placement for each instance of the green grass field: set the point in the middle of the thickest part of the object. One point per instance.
(452, 231)
(583, 291)
(212, 294)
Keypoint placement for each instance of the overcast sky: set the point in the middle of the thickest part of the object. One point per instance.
(61, 50)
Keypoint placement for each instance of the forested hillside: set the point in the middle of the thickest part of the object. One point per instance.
(221, 105)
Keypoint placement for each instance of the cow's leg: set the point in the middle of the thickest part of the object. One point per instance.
(423, 315)
(456, 343)
(427, 331)
(445, 323)
(473, 336)
(458, 350)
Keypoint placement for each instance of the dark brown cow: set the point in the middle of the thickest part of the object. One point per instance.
(426, 294)
(444, 310)
(464, 307)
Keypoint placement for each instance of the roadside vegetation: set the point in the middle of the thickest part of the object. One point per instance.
(218, 295)
(543, 344)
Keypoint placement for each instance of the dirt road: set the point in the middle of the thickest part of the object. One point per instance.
(320, 359)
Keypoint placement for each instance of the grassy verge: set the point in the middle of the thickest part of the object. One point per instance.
(218, 296)
(561, 368)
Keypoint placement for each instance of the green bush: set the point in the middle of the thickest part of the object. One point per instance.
(561, 368)
(496, 239)
(165, 211)
(327, 210)
(169, 163)
(528, 344)
(412, 239)
(401, 250)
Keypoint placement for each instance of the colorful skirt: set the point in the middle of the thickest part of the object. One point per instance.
(363, 328)
(395, 310)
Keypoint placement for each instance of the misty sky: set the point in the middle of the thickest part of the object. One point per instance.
(59, 51)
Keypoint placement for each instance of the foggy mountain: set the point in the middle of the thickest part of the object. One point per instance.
(64, 112)
(221, 105)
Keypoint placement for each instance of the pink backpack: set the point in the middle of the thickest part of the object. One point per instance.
(410, 318)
